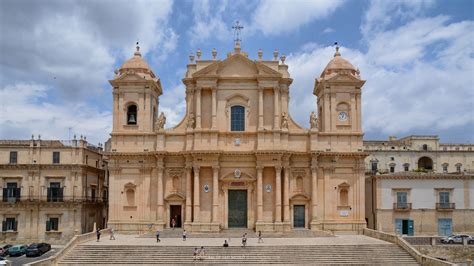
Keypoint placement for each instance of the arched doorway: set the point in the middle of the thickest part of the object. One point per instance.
(425, 163)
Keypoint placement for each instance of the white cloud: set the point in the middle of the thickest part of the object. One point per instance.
(209, 21)
(275, 17)
(28, 111)
(419, 76)
(328, 30)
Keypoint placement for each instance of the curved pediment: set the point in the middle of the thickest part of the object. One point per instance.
(300, 196)
(175, 196)
(243, 177)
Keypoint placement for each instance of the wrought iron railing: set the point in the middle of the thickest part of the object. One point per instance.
(402, 206)
(445, 206)
(55, 199)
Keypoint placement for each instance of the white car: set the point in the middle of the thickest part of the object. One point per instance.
(457, 239)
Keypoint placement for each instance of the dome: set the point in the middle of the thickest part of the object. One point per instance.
(339, 65)
(136, 64)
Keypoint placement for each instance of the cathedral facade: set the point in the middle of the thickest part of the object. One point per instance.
(237, 159)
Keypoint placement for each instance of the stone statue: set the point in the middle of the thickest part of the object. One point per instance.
(190, 123)
(161, 121)
(313, 120)
(284, 120)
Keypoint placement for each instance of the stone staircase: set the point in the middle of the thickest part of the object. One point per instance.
(237, 233)
(379, 254)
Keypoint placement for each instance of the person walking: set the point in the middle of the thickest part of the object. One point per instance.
(244, 240)
(184, 235)
(173, 223)
(112, 234)
(226, 244)
(97, 232)
(260, 238)
(158, 236)
(202, 253)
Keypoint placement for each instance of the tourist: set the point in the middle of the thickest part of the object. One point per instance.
(244, 240)
(260, 237)
(173, 223)
(226, 244)
(195, 253)
(158, 236)
(202, 253)
(112, 234)
(184, 235)
(97, 232)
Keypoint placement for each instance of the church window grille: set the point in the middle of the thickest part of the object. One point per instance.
(13, 157)
(237, 118)
(56, 156)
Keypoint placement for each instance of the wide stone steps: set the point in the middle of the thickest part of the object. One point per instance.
(307, 254)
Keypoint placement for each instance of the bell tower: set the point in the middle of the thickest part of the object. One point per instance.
(135, 99)
(338, 91)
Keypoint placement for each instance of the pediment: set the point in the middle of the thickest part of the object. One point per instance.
(176, 196)
(344, 77)
(237, 66)
(300, 196)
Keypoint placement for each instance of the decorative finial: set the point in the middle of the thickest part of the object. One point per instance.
(191, 58)
(32, 136)
(358, 72)
(138, 50)
(214, 53)
(283, 58)
(237, 28)
(260, 54)
(74, 136)
(39, 136)
(337, 50)
(275, 55)
(198, 53)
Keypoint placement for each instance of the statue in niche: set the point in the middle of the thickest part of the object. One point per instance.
(313, 120)
(161, 121)
(190, 123)
(284, 120)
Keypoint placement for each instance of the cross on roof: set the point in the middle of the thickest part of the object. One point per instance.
(237, 27)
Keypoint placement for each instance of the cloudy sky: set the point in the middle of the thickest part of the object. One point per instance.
(56, 58)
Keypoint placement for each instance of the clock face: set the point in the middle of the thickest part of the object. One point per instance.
(343, 116)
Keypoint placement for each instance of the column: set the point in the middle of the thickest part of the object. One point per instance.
(259, 193)
(215, 193)
(196, 194)
(260, 108)
(314, 193)
(160, 194)
(286, 196)
(188, 195)
(198, 107)
(276, 109)
(214, 108)
(278, 194)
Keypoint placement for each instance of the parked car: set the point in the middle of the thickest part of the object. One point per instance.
(4, 250)
(17, 250)
(37, 249)
(456, 239)
(3, 261)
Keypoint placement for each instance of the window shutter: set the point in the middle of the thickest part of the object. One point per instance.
(15, 225)
(5, 191)
(60, 194)
(4, 226)
(49, 194)
(17, 193)
(48, 226)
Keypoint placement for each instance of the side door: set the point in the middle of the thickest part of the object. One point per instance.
(411, 230)
(398, 226)
(445, 227)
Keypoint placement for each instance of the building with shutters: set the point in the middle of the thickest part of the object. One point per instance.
(50, 190)
(237, 159)
(419, 186)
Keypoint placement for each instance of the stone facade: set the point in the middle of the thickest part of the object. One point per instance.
(50, 190)
(434, 180)
(237, 159)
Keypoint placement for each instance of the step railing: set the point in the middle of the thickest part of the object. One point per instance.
(76, 240)
(420, 258)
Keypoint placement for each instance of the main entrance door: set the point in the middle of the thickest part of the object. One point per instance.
(175, 213)
(298, 216)
(237, 217)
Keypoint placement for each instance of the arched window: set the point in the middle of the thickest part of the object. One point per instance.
(406, 167)
(445, 167)
(237, 118)
(130, 197)
(344, 197)
(425, 147)
(425, 163)
(132, 115)
(458, 167)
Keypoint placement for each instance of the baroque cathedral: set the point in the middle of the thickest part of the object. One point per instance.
(237, 159)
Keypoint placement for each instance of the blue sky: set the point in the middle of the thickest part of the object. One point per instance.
(56, 58)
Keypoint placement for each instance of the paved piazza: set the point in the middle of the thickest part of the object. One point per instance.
(134, 240)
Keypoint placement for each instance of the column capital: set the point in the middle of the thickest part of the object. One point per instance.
(198, 88)
(216, 167)
(259, 168)
(276, 88)
(196, 168)
(278, 169)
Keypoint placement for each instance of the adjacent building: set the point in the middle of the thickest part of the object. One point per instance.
(237, 159)
(50, 190)
(418, 186)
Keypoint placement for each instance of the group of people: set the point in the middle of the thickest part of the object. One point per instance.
(199, 253)
(112, 234)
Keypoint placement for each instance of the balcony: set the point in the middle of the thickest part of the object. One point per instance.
(54, 199)
(55, 194)
(11, 195)
(445, 206)
(401, 206)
